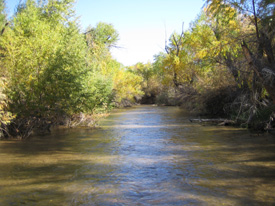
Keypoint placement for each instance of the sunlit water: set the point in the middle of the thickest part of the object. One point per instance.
(140, 156)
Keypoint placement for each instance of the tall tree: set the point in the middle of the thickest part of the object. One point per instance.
(174, 53)
(45, 59)
(260, 14)
(5, 115)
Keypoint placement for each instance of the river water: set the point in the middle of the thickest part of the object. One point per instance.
(144, 155)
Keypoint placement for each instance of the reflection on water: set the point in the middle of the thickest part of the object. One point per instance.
(140, 156)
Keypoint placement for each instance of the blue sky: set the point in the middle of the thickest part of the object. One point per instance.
(141, 24)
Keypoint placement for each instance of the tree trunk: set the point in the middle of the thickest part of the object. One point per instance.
(261, 71)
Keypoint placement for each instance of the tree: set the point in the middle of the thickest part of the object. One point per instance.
(103, 35)
(174, 53)
(45, 58)
(100, 39)
(127, 86)
(5, 116)
(260, 53)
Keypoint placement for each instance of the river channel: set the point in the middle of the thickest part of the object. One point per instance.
(143, 155)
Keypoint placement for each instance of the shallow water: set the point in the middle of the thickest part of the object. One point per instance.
(140, 156)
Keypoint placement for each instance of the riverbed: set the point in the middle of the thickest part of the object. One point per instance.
(144, 155)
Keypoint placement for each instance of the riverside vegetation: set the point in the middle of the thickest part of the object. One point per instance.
(52, 73)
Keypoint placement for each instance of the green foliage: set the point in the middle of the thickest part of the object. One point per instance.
(50, 70)
(102, 35)
(45, 60)
(98, 94)
(100, 40)
(2, 15)
(125, 85)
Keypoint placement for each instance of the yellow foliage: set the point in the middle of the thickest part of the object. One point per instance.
(176, 60)
(127, 85)
(5, 116)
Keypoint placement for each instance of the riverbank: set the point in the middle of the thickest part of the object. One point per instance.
(236, 105)
(24, 128)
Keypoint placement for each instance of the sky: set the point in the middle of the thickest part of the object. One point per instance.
(143, 25)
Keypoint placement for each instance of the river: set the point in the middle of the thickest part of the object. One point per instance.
(143, 155)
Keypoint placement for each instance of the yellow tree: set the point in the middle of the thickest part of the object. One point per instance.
(127, 86)
(260, 53)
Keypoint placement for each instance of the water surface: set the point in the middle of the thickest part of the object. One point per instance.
(140, 156)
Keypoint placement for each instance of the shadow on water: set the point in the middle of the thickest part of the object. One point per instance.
(140, 156)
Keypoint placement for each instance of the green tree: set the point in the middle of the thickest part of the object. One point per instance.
(100, 40)
(103, 35)
(45, 58)
(44, 72)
